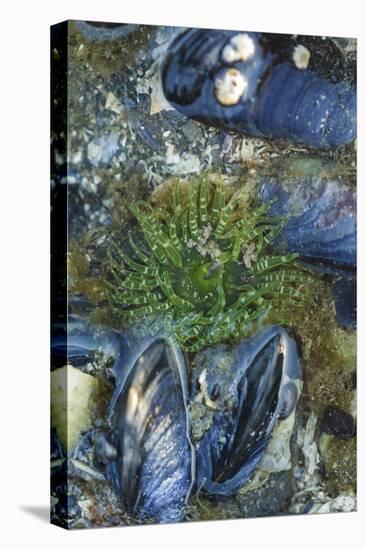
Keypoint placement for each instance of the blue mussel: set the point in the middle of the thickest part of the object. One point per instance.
(156, 467)
(267, 85)
(260, 389)
(322, 219)
(78, 343)
(321, 207)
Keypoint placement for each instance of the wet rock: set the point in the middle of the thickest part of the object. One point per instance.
(67, 507)
(73, 394)
(338, 423)
(340, 464)
(102, 149)
(271, 499)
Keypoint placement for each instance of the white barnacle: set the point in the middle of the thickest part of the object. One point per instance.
(240, 48)
(301, 56)
(230, 87)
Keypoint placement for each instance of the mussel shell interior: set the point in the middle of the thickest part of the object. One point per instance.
(258, 392)
(154, 469)
(229, 453)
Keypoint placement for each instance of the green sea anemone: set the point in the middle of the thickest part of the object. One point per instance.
(200, 268)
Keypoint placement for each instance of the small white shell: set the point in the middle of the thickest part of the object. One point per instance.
(301, 57)
(230, 87)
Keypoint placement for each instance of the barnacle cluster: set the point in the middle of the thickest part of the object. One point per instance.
(201, 269)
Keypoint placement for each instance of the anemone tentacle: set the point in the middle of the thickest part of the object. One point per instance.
(200, 269)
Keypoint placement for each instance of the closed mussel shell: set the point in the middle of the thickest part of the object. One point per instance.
(320, 204)
(275, 86)
(321, 209)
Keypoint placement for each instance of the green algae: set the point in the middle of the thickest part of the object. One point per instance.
(80, 279)
(340, 463)
(106, 57)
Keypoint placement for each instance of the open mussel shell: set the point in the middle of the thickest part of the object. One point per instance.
(269, 85)
(154, 469)
(254, 391)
